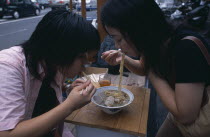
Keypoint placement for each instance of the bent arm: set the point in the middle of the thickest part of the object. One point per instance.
(113, 57)
(12, 100)
(184, 103)
(135, 66)
(42, 124)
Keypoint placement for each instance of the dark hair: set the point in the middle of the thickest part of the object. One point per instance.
(58, 39)
(144, 24)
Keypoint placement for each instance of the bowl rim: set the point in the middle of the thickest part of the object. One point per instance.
(118, 107)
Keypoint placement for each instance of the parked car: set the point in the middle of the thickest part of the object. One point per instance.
(90, 5)
(56, 4)
(18, 8)
(43, 4)
(35, 2)
(74, 2)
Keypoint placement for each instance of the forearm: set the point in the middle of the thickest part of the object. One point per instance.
(134, 66)
(40, 125)
(166, 93)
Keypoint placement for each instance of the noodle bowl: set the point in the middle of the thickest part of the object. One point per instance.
(110, 100)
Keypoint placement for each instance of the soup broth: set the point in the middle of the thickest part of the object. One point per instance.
(114, 98)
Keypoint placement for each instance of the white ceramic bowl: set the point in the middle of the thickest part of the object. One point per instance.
(96, 99)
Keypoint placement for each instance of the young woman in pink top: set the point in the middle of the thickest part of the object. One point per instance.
(32, 76)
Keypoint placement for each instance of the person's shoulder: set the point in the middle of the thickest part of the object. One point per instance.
(188, 49)
(182, 43)
(13, 56)
(182, 33)
(188, 52)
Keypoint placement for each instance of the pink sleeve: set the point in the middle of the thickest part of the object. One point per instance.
(12, 97)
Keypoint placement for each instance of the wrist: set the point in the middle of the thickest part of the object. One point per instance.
(150, 75)
(126, 60)
(69, 107)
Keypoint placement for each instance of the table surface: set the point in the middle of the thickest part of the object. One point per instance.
(131, 120)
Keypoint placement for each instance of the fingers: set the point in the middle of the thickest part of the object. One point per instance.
(108, 52)
(77, 84)
(92, 92)
(88, 89)
(105, 54)
(83, 86)
(79, 81)
(111, 56)
(118, 60)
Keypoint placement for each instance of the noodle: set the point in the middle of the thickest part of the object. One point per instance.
(121, 72)
(115, 98)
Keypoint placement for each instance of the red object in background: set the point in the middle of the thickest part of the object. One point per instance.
(61, 1)
(8, 1)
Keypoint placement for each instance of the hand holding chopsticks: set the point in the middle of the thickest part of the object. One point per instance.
(75, 100)
(112, 57)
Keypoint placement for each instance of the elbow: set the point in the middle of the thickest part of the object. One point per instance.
(141, 73)
(186, 119)
(4, 134)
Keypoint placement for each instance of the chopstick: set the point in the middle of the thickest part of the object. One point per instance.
(121, 72)
(81, 92)
(119, 50)
(94, 77)
(88, 78)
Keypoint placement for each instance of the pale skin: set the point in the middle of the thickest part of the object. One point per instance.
(44, 123)
(184, 102)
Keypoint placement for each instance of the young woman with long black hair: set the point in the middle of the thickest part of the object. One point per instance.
(33, 73)
(174, 63)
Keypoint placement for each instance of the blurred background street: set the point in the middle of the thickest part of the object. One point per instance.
(16, 31)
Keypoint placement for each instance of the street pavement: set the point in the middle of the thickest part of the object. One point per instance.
(15, 32)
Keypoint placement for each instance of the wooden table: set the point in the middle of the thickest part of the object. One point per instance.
(131, 120)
